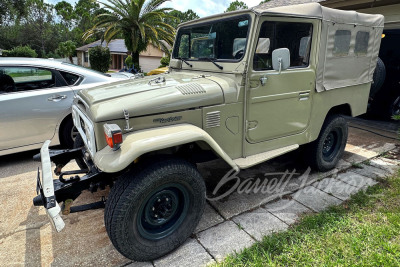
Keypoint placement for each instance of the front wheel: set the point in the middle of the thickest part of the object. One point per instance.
(324, 153)
(152, 212)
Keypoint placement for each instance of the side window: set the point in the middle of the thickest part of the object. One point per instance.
(71, 79)
(342, 43)
(273, 35)
(362, 40)
(13, 79)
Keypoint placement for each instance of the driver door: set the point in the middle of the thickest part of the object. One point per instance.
(279, 105)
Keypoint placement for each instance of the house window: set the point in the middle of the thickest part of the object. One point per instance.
(341, 47)
(86, 57)
(362, 40)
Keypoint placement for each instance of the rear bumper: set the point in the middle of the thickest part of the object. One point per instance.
(45, 189)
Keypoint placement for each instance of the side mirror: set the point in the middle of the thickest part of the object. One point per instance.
(281, 59)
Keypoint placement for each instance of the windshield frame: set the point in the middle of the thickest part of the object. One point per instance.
(179, 34)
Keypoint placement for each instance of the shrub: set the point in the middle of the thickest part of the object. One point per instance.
(129, 62)
(100, 58)
(20, 51)
(165, 61)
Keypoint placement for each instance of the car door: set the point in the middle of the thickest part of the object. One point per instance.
(280, 104)
(32, 108)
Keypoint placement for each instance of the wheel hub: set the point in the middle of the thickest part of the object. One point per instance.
(163, 211)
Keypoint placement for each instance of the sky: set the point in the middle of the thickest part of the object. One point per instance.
(201, 7)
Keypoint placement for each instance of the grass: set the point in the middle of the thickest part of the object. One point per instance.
(363, 231)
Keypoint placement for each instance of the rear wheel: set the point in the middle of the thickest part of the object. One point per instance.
(324, 153)
(153, 211)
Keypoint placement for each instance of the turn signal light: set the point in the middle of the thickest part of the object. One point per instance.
(113, 135)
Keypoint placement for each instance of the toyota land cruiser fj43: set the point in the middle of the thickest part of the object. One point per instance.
(245, 86)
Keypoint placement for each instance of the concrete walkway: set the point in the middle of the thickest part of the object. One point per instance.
(286, 190)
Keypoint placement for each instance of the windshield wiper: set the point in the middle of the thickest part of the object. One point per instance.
(187, 63)
(212, 60)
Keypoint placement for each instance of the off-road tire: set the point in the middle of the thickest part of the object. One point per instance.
(130, 197)
(324, 153)
(378, 78)
(79, 143)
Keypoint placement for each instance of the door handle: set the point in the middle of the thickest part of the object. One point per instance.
(304, 96)
(263, 80)
(57, 98)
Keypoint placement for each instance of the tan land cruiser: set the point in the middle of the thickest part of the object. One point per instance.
(245, 86)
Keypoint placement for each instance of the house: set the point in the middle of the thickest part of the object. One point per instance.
(148, 60)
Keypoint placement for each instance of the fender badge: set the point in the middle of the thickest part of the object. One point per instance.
(166, 120)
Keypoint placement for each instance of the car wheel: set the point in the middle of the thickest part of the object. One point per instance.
(78, 142)
(395, 107)
(153, 211)
(68, 133)
(324, 153)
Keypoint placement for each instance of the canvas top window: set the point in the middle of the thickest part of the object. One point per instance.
(224, 40)
(362, 40)
(341, 46)
(273, 35)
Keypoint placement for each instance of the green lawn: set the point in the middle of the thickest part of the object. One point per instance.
(364, 231)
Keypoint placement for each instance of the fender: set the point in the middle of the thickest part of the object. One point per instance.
(141, 142)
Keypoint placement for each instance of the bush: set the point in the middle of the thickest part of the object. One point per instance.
(100, 58)
(165, 61)
(129, 62)
(20, 51)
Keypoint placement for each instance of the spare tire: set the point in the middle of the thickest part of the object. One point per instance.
(378, 79)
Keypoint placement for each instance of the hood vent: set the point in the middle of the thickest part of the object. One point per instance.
(213, 119)
(191, 89)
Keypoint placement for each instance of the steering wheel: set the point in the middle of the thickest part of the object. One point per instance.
(239, 54)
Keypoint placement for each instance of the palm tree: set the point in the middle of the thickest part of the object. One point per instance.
(140, 22)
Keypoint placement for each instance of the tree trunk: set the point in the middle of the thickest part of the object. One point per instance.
(135, 59)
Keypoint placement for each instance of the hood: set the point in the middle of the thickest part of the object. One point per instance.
(152, 95)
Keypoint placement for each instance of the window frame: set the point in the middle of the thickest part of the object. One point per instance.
(273, 41)
(179, 34)
(59, 80)
(334, 42)
(355, 43)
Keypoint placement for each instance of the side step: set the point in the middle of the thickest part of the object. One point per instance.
(250, 161)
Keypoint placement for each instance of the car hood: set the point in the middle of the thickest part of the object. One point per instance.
(152, 95)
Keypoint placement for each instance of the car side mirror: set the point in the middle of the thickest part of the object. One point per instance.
(281, 59)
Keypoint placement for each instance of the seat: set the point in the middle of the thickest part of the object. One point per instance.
(7, 84)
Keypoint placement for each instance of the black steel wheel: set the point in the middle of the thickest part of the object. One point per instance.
(324, 153)
(154, 208)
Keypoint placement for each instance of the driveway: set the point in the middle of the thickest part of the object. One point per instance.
(266, 198)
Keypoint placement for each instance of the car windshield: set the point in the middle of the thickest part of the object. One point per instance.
(218, 40)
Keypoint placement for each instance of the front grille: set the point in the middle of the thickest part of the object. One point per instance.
(85, 128)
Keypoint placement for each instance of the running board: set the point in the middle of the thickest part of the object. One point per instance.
(250, 161)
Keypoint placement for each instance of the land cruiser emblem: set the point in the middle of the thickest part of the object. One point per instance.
(166, 120)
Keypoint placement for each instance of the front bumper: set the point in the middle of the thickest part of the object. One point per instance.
(45, 189)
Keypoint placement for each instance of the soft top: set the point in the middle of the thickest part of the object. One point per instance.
(315, 10)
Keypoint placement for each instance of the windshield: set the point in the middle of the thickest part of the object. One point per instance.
(219, 40)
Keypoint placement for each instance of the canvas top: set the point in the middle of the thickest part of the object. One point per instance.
(315, 10)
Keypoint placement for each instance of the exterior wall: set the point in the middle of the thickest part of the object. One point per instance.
(149, 63)
(152, 51)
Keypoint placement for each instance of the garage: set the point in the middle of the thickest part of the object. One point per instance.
(386, 101)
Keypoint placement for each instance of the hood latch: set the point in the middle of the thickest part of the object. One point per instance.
(127, 127)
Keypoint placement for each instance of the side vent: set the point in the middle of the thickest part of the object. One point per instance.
(191, 89)
(213, 119)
